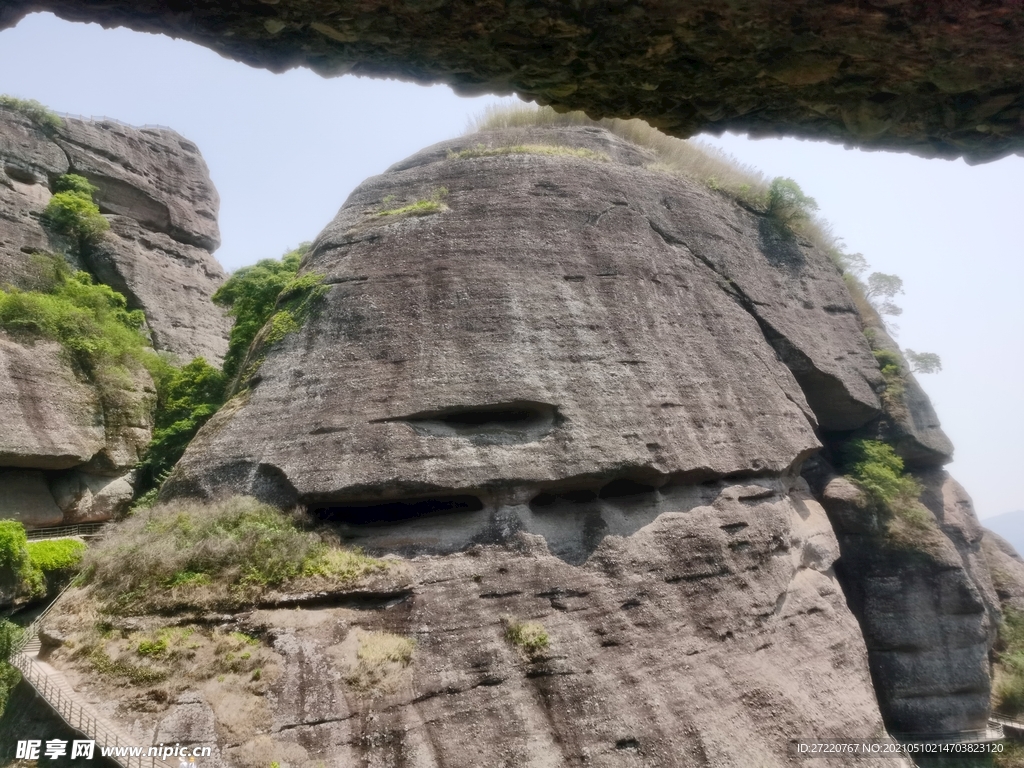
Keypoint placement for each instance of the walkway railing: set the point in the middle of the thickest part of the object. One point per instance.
(65, 531)
(63, 702)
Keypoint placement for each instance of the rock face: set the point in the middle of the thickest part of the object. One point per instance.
(718, 615)
(937, 79)
(72, 441)
(563, 324)
(929, 613)
(162, 205)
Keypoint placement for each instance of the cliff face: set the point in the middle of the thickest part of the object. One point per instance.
(936, 79)
(65, 446)
(574, 354)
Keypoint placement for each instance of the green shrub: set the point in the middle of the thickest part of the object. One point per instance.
(878, 471)
(72, 211)
(234, 549)
(33, 110)
(56, 554)
(187, 398)
(10, 635)
(17, 570)
(250, 295)
(1008, 691)
(788, 204)
(91, 321)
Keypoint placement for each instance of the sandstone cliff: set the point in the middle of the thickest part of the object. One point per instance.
(65, 443)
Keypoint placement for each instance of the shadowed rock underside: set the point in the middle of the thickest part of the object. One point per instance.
(936, 79)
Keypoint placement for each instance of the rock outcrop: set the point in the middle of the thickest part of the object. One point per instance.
(156, 190)
(564, 323)
(936, 79)
(928, 609)
(707, 629)
(67, 444)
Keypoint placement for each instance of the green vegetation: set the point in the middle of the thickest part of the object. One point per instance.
(42, 116)
(381, 656)
(225, 553)
(17, 571)
(528, 636)
(54, 555)
(270, 293)
(788, 205)
(187, 398)
(528, 149)
(92, 322)
(423, 207)
(923, 362)
(1008, 688)
(72, 211)
(10, 635)
(876, 469)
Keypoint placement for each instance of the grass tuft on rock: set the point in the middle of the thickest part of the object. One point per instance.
(381, 656)
(38, 113)
(1008, 685)
(226, 553)
(530, 637)
(529, 149)
(424, 207)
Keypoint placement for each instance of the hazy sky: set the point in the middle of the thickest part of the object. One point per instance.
(286, 150)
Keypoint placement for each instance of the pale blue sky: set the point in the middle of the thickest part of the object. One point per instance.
(286, 150)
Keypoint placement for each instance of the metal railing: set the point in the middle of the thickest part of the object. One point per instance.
(70, 711)
(65, 531)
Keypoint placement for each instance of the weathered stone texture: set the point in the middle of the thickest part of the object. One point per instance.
(156, 191)
(51, 419)
(711, 635)
(936, 79)
(563, 319)
(151, 175)
(928, 610)
(173, 281)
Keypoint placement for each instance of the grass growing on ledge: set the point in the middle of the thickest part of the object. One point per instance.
(225, 553)
(41, 115)
(529, 149)
(423, 207)
(876, 469)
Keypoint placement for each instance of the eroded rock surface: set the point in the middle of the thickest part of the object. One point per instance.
(712, 634)
(562, 323)
(153, 186)
(927, 607)
(936, 79)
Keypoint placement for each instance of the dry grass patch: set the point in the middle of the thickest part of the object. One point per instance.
(528, 149)
(423, 207)
(380, 659)
(227, 554)
(529, 637)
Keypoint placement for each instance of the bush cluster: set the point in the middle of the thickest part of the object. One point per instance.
(42, 116)
(91, 321)
(251, 295)
(10, 634)
(228, 552)
(528, 636)
(73, 212)
(187, 398)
